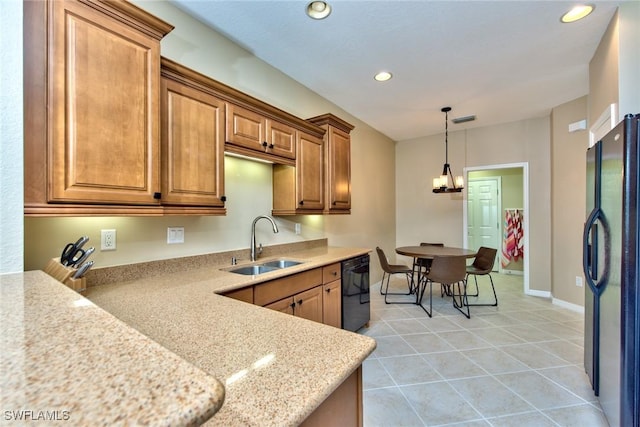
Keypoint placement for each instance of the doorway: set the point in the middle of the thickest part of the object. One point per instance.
(511, 194)
(483, 207)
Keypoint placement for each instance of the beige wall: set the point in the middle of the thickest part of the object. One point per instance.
(568, 180)
(247, 184)
(425, 216)
(603, 73)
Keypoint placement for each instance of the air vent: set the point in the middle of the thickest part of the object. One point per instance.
(463, 119)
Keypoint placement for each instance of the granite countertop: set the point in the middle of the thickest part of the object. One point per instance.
(64, 359)
(276, 369)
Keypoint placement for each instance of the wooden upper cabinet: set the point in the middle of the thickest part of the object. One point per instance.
(192, 139)
(92, 95)
(104, 93)
(299, 189)
(254, 134)
(338, 170)
(337, 155)
(309, 168)
(281, 139)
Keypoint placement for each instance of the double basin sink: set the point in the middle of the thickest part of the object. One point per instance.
(265, 267)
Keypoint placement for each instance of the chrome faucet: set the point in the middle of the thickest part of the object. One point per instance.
(255, 250)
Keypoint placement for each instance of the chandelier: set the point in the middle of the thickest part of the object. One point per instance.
(442, 183)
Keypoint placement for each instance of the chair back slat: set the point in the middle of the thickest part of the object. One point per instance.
(384, 264)
(448, 270)
(485, 258)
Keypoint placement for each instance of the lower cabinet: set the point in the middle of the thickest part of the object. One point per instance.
(307, 304)
(313, 295)
(343, 407)
(332, 304)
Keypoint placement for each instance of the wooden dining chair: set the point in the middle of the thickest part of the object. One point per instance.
(482, 266)
(389, 270)
(422, 265)
(446, 270)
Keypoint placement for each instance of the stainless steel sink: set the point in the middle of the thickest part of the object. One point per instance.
(281, 263)
(252, 270)
(264, 267)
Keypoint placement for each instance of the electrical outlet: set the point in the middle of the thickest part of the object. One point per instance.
(107, 240)
(175, 235)
(297, 228)
(579, 281)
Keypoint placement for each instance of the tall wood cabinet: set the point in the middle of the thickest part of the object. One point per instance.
(300, 189)
(93, 133)
(193, 123)
(337, 163)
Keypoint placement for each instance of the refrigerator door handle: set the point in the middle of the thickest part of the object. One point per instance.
(596, 284)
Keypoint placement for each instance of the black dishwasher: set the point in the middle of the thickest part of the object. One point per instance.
(355, 293)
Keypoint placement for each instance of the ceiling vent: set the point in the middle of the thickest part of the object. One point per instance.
(463, 119)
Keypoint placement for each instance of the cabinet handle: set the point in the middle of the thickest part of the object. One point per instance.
(264, 144)
(301, 202)
(293, 305)
(271, 146)
(335, 273)
(334, 203)
(157, 196)
(328, 290)
(300, 302)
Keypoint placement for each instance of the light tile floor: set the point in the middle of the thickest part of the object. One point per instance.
(518, 364)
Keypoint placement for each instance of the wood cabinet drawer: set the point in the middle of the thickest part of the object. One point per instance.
(331, 272)
(277, 289)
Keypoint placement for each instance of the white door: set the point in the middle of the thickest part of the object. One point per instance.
(483, 223)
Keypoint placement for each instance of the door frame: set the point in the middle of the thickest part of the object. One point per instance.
(525, 198)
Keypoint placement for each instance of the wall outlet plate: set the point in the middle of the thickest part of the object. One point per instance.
(108, 240)
(175, 235)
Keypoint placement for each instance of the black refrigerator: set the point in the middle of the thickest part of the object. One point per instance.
(611, 249)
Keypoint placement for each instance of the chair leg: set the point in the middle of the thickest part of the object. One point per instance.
(475, 279)
(495, 296)
(388, 277)
(421, 295)
(397, 293)
(461, 302)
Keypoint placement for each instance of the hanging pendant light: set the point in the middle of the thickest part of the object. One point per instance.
(442, 183)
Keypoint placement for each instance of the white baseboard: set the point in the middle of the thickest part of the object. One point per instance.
(535, 293)
(568, 305)
(512, 272)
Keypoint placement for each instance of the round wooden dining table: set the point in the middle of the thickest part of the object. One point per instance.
(432, 251)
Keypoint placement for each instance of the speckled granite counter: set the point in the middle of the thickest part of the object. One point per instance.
(277, 369)
(64, 359)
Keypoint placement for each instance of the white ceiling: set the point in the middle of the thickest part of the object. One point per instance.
(499, 60)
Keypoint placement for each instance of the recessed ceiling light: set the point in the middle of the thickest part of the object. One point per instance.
(318, 9)
(383, 76)
(577, 13)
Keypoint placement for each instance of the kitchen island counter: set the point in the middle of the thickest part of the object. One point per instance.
(65, 360)
(276, 368)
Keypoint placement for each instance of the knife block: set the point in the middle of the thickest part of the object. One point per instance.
(63, 274)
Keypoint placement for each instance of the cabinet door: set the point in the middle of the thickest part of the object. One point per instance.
(332, 304)
(339, 170)
(192, 146)
(308, 304)
(309, 172)
(281, 139)
(245, 128)
(104, 110)
(284, 305)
